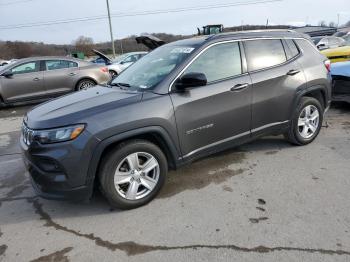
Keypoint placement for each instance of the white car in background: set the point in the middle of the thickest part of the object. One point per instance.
(330, 42)
(6, 62)
(117, 65)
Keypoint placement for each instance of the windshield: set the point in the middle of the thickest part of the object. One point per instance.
(147, 72)
(347, 39)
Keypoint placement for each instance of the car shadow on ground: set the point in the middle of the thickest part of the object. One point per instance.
(215, 169)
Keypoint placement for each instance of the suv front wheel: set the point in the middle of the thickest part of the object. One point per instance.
(306, 122)
(132, 174)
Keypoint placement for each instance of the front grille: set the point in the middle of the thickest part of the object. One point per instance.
(27, 134)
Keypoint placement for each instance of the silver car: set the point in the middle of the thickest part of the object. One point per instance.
(40, 78)
(117, 65)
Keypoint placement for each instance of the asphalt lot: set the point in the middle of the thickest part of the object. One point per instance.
(265, 201)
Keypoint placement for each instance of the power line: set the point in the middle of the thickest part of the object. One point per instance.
(15, 2)
(140, 13)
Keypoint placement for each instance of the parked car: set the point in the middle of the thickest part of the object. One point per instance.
(341, 81)
(316, 39)
(36, 79)
(183, 101)
(117, 65)
(6, 62)
(338, 54)
(330, 42)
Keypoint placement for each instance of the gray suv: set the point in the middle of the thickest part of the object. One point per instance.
(182, 101)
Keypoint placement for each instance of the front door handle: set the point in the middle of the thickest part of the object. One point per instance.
(293, 72)
(36, 79)
(239, 87)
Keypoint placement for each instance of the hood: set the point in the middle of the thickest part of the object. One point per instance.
(338, 51)
(77, 107)
(150, 41)
(103, 56)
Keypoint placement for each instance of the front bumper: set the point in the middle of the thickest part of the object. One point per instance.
(59, 171)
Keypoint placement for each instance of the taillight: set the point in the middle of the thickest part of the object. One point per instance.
(327, 64)
(104, 69)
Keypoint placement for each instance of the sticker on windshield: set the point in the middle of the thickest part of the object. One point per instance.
(185, 50)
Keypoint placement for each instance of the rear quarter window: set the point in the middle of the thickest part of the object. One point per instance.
(264, 53)
(292, 48)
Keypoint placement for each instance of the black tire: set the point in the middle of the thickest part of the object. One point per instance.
(293, 134)
(84, 84)
(113, 74)
(112, 160)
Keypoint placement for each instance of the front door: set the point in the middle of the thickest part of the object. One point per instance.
(26, 82)
(220, 111)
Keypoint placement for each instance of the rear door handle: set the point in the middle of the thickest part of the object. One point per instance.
(72, 74)
(293, 72)
(36, 79)
(239, 87)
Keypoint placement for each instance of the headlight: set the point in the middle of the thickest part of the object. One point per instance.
(58, 134)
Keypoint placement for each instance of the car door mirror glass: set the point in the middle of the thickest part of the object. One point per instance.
(192, 79)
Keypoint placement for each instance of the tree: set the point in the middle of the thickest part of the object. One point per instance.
(322, 23)
(84, 44)
(332, 24)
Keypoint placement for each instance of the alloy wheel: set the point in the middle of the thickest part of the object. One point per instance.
(136, 175)
(308, 121)
(86, 84)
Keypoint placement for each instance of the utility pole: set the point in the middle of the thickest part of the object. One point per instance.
(110, 27)
(338, 20)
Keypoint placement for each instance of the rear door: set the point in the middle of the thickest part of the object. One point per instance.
(220, 112)
(26, 82)
(275, 81)
(60, 75)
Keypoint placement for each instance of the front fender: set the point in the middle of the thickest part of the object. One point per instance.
(97, 153)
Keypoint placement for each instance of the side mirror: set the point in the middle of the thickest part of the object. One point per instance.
(7, 74)
(191, 80)
(321, 46)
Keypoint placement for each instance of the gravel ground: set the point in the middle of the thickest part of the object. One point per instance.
(264, 201)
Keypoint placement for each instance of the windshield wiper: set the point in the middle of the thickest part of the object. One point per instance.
(121, 85)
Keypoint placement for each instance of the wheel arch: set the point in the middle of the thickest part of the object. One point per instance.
(154, 134)
(318, 92)
(84, 78)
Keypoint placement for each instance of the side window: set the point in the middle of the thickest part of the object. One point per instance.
(130, 59)
(72, 64)
(293, 49)
(29, 67)
(59, 64)
(218, 62)
(333, 41)
(264, 53)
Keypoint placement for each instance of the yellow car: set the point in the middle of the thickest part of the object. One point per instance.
(338, 54)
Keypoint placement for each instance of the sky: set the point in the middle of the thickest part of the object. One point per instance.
(15, 12)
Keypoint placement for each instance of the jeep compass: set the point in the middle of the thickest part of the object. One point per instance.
(183, 101)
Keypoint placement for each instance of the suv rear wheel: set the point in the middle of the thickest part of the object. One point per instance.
(132, 174)
(306, 122)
